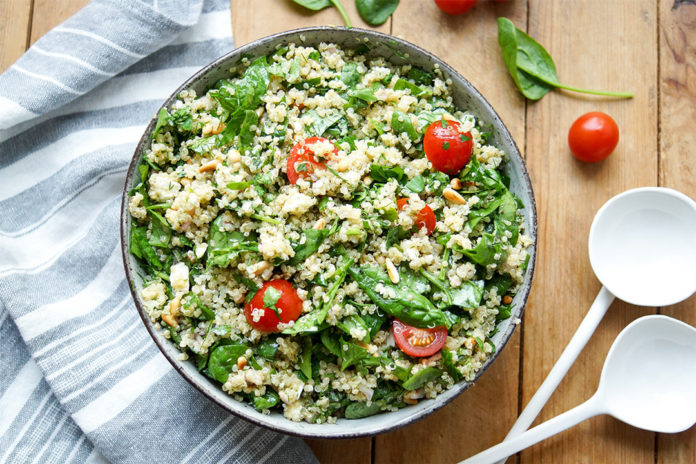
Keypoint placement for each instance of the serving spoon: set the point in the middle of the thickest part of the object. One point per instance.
(648, 381)
(642, 248)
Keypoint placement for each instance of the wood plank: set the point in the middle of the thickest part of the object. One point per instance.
(253, 19)
(480, 417)
(15, 21)
(610, 46)
(677, 169)
(49, 13)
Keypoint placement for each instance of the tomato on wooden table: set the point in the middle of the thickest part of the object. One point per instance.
(455, 7)
(593, 136)
(447, 148)
(424, 218)
(302, 160)
(419, 343)
(274, 303)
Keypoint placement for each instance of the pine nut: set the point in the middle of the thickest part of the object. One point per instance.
(456, 184)
(320, 224)
(241, 362)
(392, 271)
(218, 129)
(209, 166)
(169, 319)
(174, 306)
(507, 299)
(453, 196)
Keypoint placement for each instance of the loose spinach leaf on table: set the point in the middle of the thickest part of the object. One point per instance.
(531, 66)
(376, 12)
(403, 303)
(316, 5)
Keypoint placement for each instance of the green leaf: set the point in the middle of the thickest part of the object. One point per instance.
(376, 12)
(267, 349)
(203, 144)
(485, 251)
(314, 5)
(163, 119)
(383, 173)
(313, 240)
(406, 305)
(183, 119)
(266, 401)
(468, 295)
(306, 358)
(294, 72)
(350, 75)
(270, 298)
(161, 233)
(360, 409)
(416, 185)
(321, 124)
(238, 185)
(422, 377)
(416, 91)
(401, 122)
(354, 322)
(448, 362)
(224, 247)
(351, 353)
(223, 359)
(331, 342)
(420, 76)
(207, 314)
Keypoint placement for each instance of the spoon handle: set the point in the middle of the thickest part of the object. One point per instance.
(589, 408)
(577, 343)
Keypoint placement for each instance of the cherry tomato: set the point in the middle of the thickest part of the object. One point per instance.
(264, 318)
(593, 136)
(424, 218)
(455, 7)
(302, 155)
(446, 148)
(419, 343)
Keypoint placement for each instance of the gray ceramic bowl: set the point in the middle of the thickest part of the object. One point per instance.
(465, 96)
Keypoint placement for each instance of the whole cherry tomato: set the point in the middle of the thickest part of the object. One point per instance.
(302, 161)
(448, 149)
(419, 343)
(593, 136)
(424, 218)
(455, 7)
(268, 308)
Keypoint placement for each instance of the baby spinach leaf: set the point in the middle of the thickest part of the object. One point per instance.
(485, 251)
(161, 233)
(331, 342)
(530, 65)
(313, 240)
(223, 358)
(504, 312)
(321, 124)
(238, 185)
(224, 247)
(416, 282)
(316, 5)
(401, 122)
(422, 377)
(383, 173)
(306, 358)
(360, 409)
(402, 302)
(350, 75)
(141, 248)
(468, 295)
(374, 322)
(267, 349)
(366, 95)
(448, 362)
(207, 314)
(266, 401)
(351, 353)
(183, 119)
(376, 12)
(203, 144)
(354, 322)
(501, 282)
(416, 185)
(294, 72)
(163, 119)
(416, 91)
(420, 76)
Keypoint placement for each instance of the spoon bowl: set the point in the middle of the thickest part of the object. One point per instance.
(649, 376)
(642, 246)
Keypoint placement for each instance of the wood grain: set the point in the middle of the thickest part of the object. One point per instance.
(677, 44)
(15, 22)
(605, 45)
(480, 417)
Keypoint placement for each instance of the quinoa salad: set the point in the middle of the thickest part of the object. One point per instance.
(326, 235)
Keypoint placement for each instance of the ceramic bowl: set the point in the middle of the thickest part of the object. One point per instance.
(465, 96)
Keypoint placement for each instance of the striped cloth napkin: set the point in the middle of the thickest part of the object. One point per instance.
(81, 379)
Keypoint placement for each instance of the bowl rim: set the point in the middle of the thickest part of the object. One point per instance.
(440, 401)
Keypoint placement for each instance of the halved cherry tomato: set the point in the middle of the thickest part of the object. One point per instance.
(446, 148)
(424, 218)
(416, 342)
(455, 7)
(264, 318)
(593, 136)
(302, 155)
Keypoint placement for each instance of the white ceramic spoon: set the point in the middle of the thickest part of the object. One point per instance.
(642, 248)
(648, 381)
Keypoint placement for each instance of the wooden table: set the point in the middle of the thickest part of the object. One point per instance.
(646, 46)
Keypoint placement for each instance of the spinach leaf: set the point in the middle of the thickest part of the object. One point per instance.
(294, 72)
(183, 119)
(422, 377)
(360, 409)
(350, 75)
(420, 76)
(306, 358)
(311, 322)
(321, 124)
(416, 282)
(161, 233)
(223, 358)
(401, 122)
(530, 65)
(376, 12)
(354, 322)
(361, 97)
(485, 251)
(266, 401)
(141, 248)
(316, 5)
(224, 247)
(403, 303)
(207, 314)
(313, 240)
(417, 184)
(331, 342)
(373, 322)
(416, 91)
(448, 362)
(501, 282)
(426, 118)
(386, 394)
(203, 144)
(351, 353)
(163, 119)
(383, 173)
(238, 185)
(267, 349)
(468, 295)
